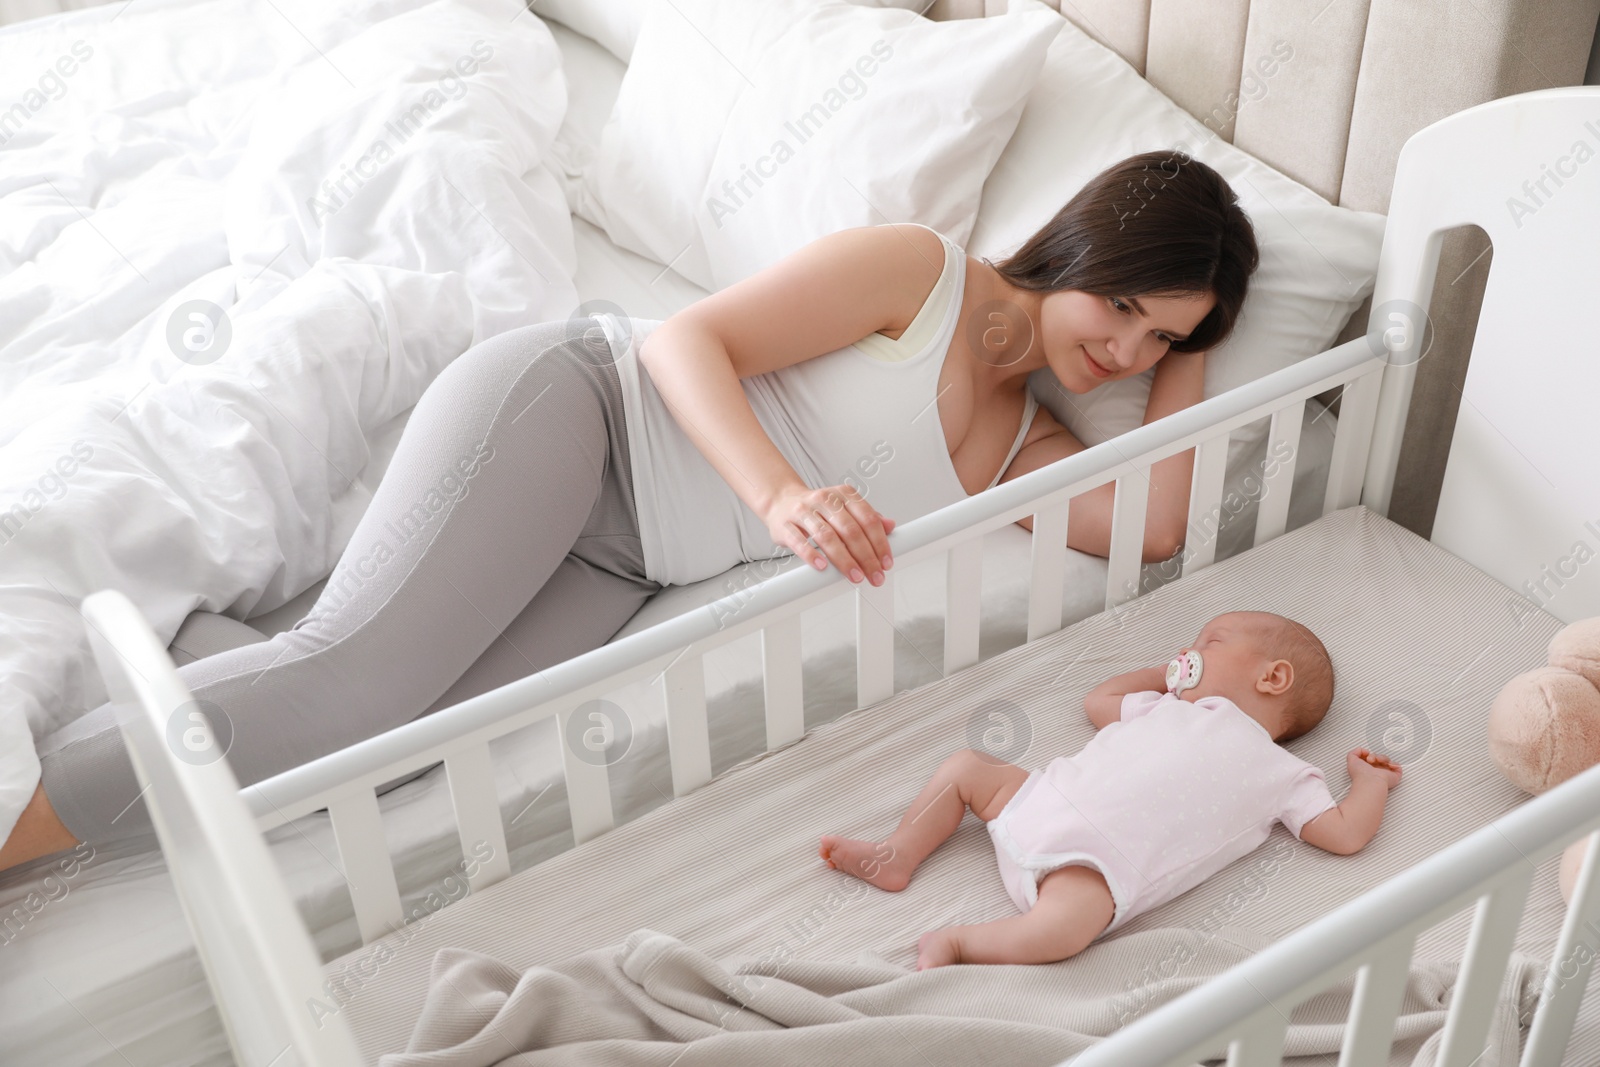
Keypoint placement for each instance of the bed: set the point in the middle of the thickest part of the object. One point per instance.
(721, 864)
(1430, 940)
(124, 983)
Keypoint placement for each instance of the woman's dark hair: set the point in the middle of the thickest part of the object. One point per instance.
(1157, 224)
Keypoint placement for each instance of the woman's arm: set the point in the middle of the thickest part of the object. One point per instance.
(828, 294)
(1179, 382)
(695, 375)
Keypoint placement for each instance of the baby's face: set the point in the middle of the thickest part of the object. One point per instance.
(1233, 657)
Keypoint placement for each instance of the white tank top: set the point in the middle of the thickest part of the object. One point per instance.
(865, 414)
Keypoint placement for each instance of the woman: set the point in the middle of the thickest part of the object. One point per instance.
(542, 492)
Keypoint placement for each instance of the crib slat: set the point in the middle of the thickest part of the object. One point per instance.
(1205, 504)
(358, 831)
(1494, 928)
(1568, 976)
(588, 783)
(1048, 570)
(782, 678)
(1272, 517)
(963, 585)
(1379, 986)
(875, 641)
(1260, 1040)
(1358, 409)
(478, 821)
(683, 685)
(1127, 537)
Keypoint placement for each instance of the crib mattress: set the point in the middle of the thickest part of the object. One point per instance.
(1421, 642)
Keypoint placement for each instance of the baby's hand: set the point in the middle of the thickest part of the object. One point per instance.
(1364, 763)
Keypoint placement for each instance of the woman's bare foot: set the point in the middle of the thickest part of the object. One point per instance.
(936, 948)
(874, 862)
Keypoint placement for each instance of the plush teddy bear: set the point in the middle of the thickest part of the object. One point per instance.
(1544, 727)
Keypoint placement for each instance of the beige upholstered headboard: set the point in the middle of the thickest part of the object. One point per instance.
(1365, 76)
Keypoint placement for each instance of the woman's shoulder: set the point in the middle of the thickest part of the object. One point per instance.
(934, 262)
(924, 267)
(929, 241)
(824, 296)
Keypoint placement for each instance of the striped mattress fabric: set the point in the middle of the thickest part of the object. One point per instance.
(1421, 642)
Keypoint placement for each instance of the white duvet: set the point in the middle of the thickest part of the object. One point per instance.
(236, 239)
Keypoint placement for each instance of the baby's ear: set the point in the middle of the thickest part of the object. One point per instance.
(1277, 679)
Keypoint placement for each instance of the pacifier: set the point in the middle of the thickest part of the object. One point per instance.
(1184, 672)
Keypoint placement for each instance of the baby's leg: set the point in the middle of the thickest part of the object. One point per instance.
(967, 779)
(1074, 906)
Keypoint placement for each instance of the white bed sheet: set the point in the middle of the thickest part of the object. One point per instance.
(342, 198)
(104, 972)
(365, 191)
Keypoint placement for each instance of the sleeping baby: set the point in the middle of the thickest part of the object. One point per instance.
(1185, 776)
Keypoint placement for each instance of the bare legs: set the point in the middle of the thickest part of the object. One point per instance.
(968, 779)
(1074, 905)
(38, 832)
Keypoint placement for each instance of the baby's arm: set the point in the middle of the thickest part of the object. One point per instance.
(1348, 826)
(1104, 702)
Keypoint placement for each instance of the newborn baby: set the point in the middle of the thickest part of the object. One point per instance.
(1185, 776)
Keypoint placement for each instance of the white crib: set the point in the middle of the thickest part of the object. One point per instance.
(1519, 410)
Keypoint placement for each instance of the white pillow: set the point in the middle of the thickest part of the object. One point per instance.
(612, 23)
(594, 78)
(1088, 109)
(746, 129)
(615, 23)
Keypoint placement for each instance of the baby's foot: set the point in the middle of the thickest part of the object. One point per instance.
(871, 861)
(936, 948)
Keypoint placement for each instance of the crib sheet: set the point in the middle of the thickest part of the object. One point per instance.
(1420, 640)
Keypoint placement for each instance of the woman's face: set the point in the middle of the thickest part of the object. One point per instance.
(1090, 340)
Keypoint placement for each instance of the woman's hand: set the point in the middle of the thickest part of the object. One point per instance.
(847, 530)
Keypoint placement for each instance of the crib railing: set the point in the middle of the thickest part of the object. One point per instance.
(344, 782)
(1246, 1009)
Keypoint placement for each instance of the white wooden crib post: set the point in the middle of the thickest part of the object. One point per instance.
(1352, 441)
(683, 684)
(1128, 511)
(1272, 514)
(1260, 1040)
(1510, 509)
(875, 641)
(258, 958)
(963, 588)
(1205, 503)
(1400, 298)
(364, 851)
(479, 823)
(1569, 972)
(1380, 983)
(781, 679)
(1049, 561)
(588, 783)
(1494, 930)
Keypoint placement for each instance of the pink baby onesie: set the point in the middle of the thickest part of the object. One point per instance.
(1157, 802)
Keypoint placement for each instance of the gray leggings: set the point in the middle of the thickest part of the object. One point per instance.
(502, 540)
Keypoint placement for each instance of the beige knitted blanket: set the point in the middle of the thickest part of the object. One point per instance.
(654, 1001)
